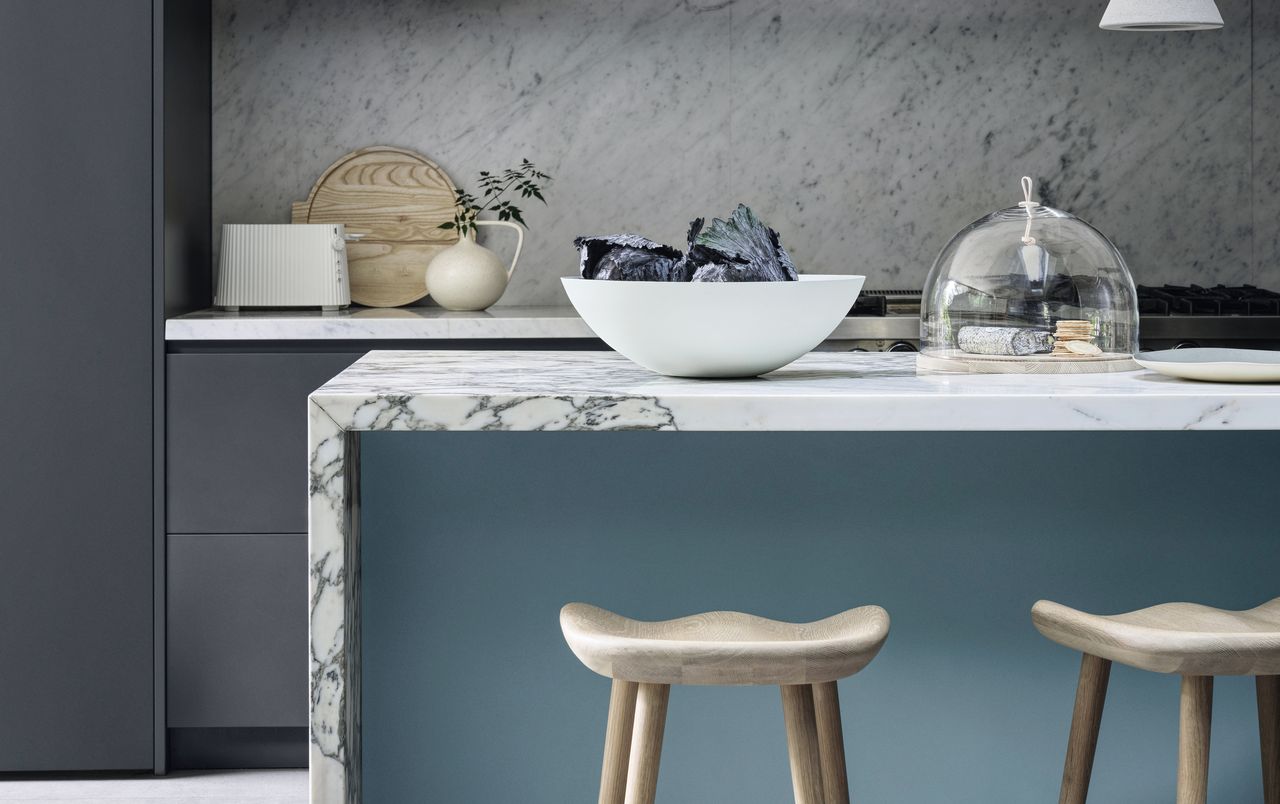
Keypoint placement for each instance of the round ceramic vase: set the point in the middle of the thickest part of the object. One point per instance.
(468, 276)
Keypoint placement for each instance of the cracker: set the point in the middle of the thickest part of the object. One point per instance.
(1084, 348)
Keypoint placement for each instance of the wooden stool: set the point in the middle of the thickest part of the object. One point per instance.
(645, 658)
(1194, 641)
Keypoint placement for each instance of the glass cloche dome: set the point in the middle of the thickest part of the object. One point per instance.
(1029, 289)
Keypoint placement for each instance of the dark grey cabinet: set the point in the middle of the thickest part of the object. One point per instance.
(106, 111)
(76, 680)
(237, 555)
(237, 612)
(237, 440)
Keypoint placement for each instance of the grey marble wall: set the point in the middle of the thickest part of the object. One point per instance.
(866, 132)
(1266, 141)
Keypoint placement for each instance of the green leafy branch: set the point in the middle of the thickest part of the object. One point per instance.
(526, 180)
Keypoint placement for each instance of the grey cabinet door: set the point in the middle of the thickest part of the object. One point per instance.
(237, 440)
(237, 630)
(76, 350)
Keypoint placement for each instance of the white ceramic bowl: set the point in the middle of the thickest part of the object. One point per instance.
(713, 329)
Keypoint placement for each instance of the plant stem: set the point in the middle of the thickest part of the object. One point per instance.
(499, 194)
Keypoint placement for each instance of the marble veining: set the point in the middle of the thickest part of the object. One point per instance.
(460, 390)
(331, 672)
(602, 391)
(866, 133)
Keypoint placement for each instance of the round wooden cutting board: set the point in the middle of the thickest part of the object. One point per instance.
(397, 199)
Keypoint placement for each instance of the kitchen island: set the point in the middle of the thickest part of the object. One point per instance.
(602, 392)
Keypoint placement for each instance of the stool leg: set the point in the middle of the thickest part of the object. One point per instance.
(826, 708)
(1269, 734)
(802, 743)
(617, 741)
(1193, 739)
(1091, 694)
(646, 743)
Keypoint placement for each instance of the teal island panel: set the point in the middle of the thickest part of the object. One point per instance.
(472, 541)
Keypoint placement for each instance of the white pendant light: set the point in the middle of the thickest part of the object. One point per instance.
(1161, 15)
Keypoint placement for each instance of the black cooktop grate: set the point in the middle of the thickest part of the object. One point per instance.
(1217, 300)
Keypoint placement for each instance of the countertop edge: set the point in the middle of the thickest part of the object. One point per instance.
(822, 392)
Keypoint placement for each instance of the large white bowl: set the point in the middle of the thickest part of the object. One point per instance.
(713, 329)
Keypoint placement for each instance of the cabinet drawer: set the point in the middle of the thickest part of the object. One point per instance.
(237, 440)
(237, 630)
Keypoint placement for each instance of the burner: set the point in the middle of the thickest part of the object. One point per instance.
(1217, 300)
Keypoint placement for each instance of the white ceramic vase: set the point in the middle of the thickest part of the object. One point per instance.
(468, 276)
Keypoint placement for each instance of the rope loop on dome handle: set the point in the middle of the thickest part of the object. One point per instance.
(1028, 205)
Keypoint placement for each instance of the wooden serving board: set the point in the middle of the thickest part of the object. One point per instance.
(954, 361)
(397, 199)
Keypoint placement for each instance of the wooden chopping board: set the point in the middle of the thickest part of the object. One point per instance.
(397, 199)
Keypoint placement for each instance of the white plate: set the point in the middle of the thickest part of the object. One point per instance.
(713, 329)
(1214, 365)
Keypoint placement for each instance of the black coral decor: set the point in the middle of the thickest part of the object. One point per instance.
(741, 249)
(628, 257)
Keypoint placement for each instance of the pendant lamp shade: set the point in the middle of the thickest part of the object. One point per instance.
(1161, 15)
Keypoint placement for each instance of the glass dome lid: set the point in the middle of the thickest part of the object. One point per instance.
(1029, 289)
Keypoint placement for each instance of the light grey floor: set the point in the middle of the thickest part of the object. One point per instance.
(203, 787)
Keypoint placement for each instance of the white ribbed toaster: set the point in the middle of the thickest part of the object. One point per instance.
(283, 265)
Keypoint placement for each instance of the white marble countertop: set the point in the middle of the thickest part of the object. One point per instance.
(377, 323)
(501, 390)
(434, 323)
(603, 391)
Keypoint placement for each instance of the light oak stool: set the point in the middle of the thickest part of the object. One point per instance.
(728, 648)
(1198, 643)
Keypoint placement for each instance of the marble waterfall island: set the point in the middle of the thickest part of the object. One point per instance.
(592, 391)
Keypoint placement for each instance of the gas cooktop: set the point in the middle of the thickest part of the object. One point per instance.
(1171, 316)
(1219, 300)
(1244, 300)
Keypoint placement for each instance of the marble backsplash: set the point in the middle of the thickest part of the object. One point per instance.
(866, 132)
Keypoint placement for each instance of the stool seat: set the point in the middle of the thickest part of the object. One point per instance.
(724, 647)
(1184, 638)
